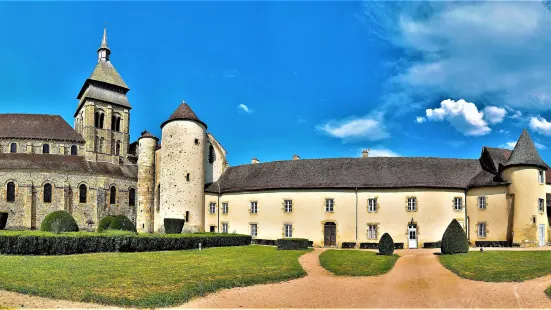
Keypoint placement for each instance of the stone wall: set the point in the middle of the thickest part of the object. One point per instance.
(31, 146)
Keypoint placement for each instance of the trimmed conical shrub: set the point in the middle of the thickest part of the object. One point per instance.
(59, 221)
(454, 240)
(386, 245)
(118, 222)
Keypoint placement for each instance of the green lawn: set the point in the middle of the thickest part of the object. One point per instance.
(500, 266)
(149, 279)
(356, 263)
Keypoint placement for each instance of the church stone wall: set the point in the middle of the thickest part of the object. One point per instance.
(31, 146)
(29, 208)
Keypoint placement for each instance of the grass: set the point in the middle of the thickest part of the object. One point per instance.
(148, 279)
(500, 266)
(356, 263)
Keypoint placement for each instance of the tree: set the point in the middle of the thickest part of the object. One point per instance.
(454, 240)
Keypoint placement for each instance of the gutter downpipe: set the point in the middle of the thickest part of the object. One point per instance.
(466, 217)
(356, 190)
(218, 225)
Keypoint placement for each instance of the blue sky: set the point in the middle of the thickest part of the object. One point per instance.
(318, 79)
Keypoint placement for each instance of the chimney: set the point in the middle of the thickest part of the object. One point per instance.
(255, 161)
(365, 153)
(296, 157)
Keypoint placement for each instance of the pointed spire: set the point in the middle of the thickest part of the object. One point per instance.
(525, 153)
(103, 50)
(184, 112)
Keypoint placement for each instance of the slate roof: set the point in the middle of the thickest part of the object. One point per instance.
(147, 134)
(64, 163)
(525, 153)
(184, 112)
(350, 173)
(37, 126)
(96, 92)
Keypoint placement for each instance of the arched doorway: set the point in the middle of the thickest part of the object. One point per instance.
(330, 234)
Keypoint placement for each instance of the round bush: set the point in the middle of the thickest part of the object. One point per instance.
(59, 221)
(174, 226)
(104, 223)
(454, 240)
(386, 245)
(118, 222)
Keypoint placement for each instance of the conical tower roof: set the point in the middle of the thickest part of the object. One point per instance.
(147, 134)
(184, 113)
(525, 153)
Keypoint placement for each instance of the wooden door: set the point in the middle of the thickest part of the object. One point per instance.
(330, 234)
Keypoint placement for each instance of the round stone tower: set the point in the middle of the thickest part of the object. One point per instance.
(526, 171)
(147, 144)
(182, 168)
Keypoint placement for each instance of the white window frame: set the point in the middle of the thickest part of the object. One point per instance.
(456, 205)
(254, 232)
(288, 205)
(372, 205)
(412, 204)
(482, 202)
(329, 205)
(541, 176)
(212, 208)
(224, 208)
(541, 205)
(288, 230)
(225, 228)
(372, 230)
(254, 207)
(481, 233)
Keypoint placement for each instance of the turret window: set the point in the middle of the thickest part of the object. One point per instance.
(482, 203)
(541, 205)
(541, 176)
(10, 192)
(47, 193)
(46, 149)
(187, 177)
(211, 154)
(13, 148)
(196, 141)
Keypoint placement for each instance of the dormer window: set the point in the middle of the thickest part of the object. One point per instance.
(541, 176)
(13, 148)
(46, 149)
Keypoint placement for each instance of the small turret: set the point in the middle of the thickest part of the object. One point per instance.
(103, 50)
(147, 144)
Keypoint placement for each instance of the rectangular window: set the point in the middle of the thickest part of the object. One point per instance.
(288, 206)
(458, 203)
(371, 231)
(541, 203)
(481, 230)
(372, 205)
(329, 203)
(412, 204)
(541, 176)
(254, 230)
(288, 230)
(212, 208)
(225, 207)
(225, 228)
(254, 207)
(482, 203)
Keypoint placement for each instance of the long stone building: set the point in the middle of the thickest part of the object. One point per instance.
(93, 170)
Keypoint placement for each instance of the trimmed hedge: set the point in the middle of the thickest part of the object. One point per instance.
(59, 221)
(174, 226)
(104, 223)
(432, 245)
(117, 222)
(348, 245)
(454, 240)
(374, 246)
(292, 244)
(3, 220)
(264, 241)
(64, 244)
(491, 244)
(386, 245)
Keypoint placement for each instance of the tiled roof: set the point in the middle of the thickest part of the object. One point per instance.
(525, 153)
(371, 172)
(37, 126)
(184, 112)
(96, 92)
(65, 163)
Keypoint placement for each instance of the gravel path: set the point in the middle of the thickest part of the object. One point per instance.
(418, 280)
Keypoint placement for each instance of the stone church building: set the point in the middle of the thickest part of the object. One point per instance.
(92, 170)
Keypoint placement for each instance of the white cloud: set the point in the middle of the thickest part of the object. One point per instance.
(244, 108)
(474, 50)
(382, 152)
(420, 120)
(494, 115)
(503, 131)
(462, 115)
(511, 145)
(370, 128)
(540, 125)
